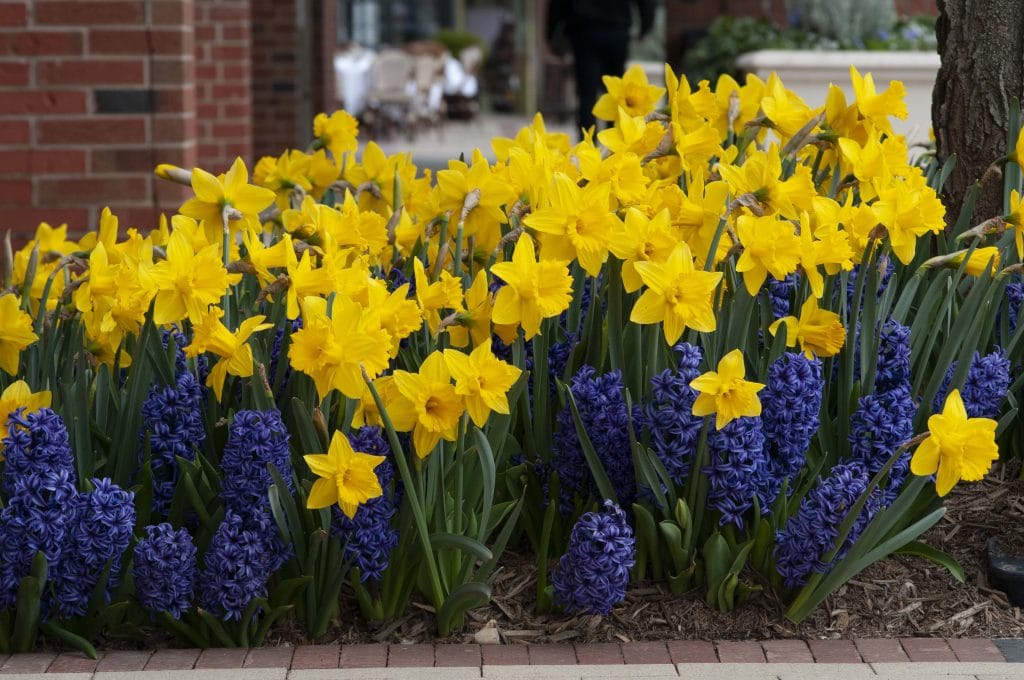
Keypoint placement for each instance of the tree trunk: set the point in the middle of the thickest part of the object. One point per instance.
(981, 43)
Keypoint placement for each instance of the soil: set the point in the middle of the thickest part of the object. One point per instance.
(899, 597)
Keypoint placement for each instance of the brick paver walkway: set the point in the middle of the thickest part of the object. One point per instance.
(953, 659)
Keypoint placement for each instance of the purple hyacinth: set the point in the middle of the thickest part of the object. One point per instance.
(988, 380)
(602, 410)
(668, 417)
(368, 538)
(893, 367)
(881, 424)
(37, 444)
(780, 293)
(165, 570)
(792, 401)
(172, 426)
(738, 470)
(241, 558)
(1014, 298)
(592, 575)
(37, 519)
(256, 440)
(809, 535)
(97, 536)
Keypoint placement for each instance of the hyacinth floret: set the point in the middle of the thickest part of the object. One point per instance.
(165, 570)
(738, 470)
(602, 410)
(99, 533)
(893, 368)
(668, 417)
(256, 440)
(241, 558)
(37, 519)
(173, 427)
(985, 388)
(881, 424)
(780, 294)
(592, 575)
(803, 545)
(792, 402)
(1014, 298)
(37, 444)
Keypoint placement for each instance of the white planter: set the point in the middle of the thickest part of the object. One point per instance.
(809, 72)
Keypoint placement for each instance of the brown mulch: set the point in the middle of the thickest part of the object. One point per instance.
(899, 597)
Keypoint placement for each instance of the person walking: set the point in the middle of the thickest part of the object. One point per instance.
(598, 33)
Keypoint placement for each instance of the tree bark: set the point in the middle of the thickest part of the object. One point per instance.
(981, 44)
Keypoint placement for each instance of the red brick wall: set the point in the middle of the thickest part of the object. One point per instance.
(279, 51)
(93, 94)
(223, 83)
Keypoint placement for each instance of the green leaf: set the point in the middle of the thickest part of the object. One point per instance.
(76, 642)
(463, 544)
(462, 598)
(943, 559)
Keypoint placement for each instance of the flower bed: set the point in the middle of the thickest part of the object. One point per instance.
(728, 348)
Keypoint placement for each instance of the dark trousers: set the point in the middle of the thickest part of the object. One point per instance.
(598, 51)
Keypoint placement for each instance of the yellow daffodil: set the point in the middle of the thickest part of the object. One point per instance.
(769, 246)
(15, 333)
(19, 395)
(818, 331)
(633, 134)
(345, 477)
(399, 316)
(473, 323)
(429, 394)
(725, 393)
(760, 175)
(632, 92)
(1015, 218)
(678, 295)
(578, 223)
(445, 293)
(642, 240)
(214, 194)
(878, 106)
(336, 133)
(533, 290)
(304, 280)
(957, 447)
(907, 213)
(483, 379)
(980, 261)
(187, 283)
(476, 191)
(784, 108)
(52, 244)
(334, 350)
(232, 348)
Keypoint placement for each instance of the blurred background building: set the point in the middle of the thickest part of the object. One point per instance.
(95, 93)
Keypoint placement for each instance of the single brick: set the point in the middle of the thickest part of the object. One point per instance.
(16, 192)
(505, 655)
(78, 190)
(269, 657)
(221, 658)
(137, 41)
(740, 652)
(23, 221)
(36, 662)
(41, 162)
(316, 656)
(408, 656)
(91, 72)
(78, 12)
(123, 661)
(15, 132)
(457, 656)
(692, 651)
(787, 651)
(41, 43)
(645, 652)
(975, 650)
(13, 73)
(599, 653)
(556, 654)
(834, 651)
(877, 650)
(130, 130)
(42, 102)
(927, 649)
(364, 656)
(73, 662)
(12, 13)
